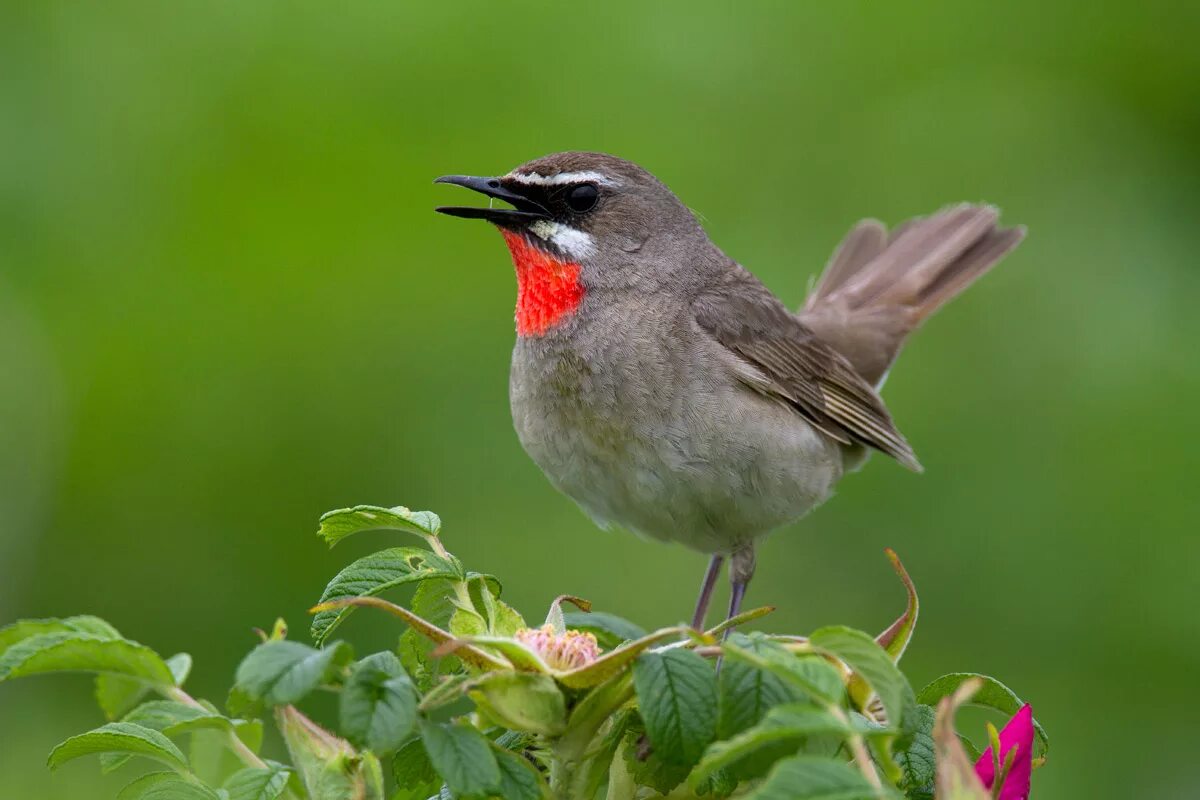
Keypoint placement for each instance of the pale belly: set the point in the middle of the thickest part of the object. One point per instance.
(674, 455)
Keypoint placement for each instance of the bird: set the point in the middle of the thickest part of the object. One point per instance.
(667, 391)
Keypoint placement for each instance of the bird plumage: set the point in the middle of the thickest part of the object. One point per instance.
(674, 394)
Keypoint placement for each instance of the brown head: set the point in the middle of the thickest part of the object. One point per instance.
(583, 221)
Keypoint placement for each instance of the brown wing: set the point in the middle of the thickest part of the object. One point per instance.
(799, 368)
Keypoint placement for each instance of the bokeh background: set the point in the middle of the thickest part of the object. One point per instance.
(226, 306)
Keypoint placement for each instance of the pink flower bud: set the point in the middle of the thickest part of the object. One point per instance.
(1018, 732)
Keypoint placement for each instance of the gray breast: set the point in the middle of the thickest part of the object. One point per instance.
(663, 440)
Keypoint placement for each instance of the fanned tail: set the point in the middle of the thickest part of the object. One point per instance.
(878, 288)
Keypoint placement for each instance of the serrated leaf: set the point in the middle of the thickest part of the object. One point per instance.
(28, 628)
(254, 783)
(955, 778)
(378, 706)
(747, 692)
(462, 756)
(816, 778)
(648, 768)
(609, 629)
(73, 651)
(337, 525)
(375, 574)
(521, 701)
(872, 663)
(165, 786)
(914, 750)
(677, 698)
(789, 723)
(519, 780)
(119, 737)
(415, 776)
(810, 674)
(169, 718)
(282, 672)
(117, 694)
(432, 601)
(991, 694)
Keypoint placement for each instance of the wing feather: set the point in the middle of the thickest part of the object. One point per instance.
(798, 367)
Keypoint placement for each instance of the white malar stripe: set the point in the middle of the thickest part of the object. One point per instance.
(561, 178)
(571, 241)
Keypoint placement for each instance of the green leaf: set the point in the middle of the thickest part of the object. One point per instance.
(254, 783)
(609, 629)
(812, 675)
(507, 620)
(747, 692)
(72, 651)
(432, 601)
(677, 697)
(462, 756)
(378, 705)
(116, 694)
(914, 750)
(872, 663)
(522, 701)
(375, 574)
(415, 776)
(165, 786)
(647, 767)
(283, 672)
(816, 778)
(337, 525)
(28, 628)
(120, 737)
(896, 638)
(955, 778)
(169, 718)
(519, 780)
(786, 724)
(991, 694)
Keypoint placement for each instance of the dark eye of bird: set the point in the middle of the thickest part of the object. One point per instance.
(583, 197)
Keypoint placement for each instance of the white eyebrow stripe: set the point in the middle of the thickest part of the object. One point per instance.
(562, 178)
(572, 241)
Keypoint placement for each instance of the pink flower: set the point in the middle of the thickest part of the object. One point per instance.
(561, 651)
(1018, 732)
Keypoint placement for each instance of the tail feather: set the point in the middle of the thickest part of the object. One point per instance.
(878, 288)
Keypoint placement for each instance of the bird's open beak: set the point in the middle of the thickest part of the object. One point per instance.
(524, 211)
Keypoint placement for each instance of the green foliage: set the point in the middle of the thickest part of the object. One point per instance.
(375, 574)
(474, 704)
(378, 704)
(462, 756)
(282, 672)
(677, 698)
(991, 694)
(120, 737)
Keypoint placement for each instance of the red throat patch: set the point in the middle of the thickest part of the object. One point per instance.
(548, 290)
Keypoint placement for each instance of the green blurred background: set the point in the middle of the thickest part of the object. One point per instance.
(226, 306)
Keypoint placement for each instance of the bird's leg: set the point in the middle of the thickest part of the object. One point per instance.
(706, 590)
(741, 570)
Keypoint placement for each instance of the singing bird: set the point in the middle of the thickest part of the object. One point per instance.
(665, 389)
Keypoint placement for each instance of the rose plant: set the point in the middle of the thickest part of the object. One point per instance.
(474, 702)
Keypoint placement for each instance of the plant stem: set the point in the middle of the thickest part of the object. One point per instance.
(239, 748)
(236, 745)
(858, 749)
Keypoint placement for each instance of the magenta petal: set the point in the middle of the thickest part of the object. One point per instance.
(1018, 731)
